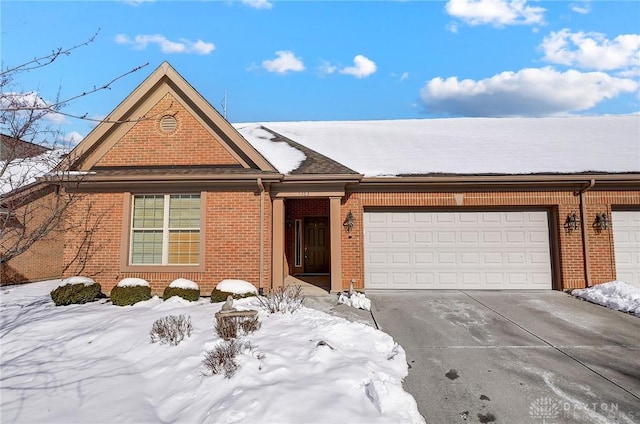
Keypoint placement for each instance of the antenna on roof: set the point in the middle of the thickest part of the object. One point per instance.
(224, 105)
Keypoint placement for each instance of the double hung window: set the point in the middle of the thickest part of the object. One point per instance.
(165, 229)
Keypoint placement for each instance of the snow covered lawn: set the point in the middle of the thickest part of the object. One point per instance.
(95, 363)
(614, 295)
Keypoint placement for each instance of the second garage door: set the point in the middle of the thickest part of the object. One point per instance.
(457, 250)
(626, 239)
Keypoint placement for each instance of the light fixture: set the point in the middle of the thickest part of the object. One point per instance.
(601, 222)
(572, 222)
(348, 222)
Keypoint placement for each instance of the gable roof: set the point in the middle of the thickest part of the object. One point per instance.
(164, 80)
(472, 146)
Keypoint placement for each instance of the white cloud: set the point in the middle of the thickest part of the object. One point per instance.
(363, 67)
(326, 68)
(140, 42)
(72, 138)
(592, 50)
(258, 4)
(583, 8)
(528, 92)
(136, 2)
(495, 12)
(23, 104)
(404, 76)
(285, 62)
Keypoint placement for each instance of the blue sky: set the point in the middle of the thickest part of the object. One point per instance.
(338, 60)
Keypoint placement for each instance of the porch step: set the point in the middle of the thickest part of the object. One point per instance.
(307, 288)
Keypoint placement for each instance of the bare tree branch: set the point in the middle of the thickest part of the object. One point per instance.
(37, 210)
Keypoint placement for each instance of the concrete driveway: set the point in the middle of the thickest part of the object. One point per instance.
(514, 357)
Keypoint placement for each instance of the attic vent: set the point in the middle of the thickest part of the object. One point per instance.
(168, 123)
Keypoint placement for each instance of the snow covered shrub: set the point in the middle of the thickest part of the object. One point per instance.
(183, 288)
(228, 327)
(249, 325)
(285, 300)
(222, 358)
(221, 296)
(239, 289)
(171, 329)
(75, 290)
(130, 291)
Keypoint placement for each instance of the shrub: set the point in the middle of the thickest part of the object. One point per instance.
(221, 296)
(285, 300)
(129, 295)
(222, 358)
(187, 294)
(228, 327)
(171, 329)
(75, 293)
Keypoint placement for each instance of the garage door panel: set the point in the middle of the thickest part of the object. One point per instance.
(400, 237)
(473, 250)
(376, 237)
(626, 241)
(469, 237)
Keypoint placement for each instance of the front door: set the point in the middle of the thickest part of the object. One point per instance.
(316, 245)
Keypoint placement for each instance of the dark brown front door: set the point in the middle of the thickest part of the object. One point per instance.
(316, 245)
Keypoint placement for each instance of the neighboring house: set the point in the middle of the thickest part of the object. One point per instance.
(414, 204)
(21, 162)
(12, 148)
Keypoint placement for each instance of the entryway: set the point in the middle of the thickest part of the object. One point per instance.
(308, 243)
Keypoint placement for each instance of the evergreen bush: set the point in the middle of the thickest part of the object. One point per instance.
(221, 296)
(75, 294)
(187, 294)
(129, 295)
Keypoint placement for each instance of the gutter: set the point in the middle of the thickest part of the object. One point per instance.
(585, 241)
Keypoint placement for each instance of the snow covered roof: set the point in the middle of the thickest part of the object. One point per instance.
(607, 144)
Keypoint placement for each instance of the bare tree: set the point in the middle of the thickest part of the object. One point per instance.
(35, 164)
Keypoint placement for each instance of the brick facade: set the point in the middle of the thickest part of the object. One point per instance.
(568, 247)
(44, 259)
(146, 144)
(231, 234)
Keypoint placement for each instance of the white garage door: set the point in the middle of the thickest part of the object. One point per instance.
(626, 241)
(457, 250)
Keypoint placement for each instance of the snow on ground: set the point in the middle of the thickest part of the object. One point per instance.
(236, 286)
(94, 363)
(614, 295)
(355, 300)
(470, 145)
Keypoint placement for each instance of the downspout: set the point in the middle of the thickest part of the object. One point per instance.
(585, 241)
(261, 271)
